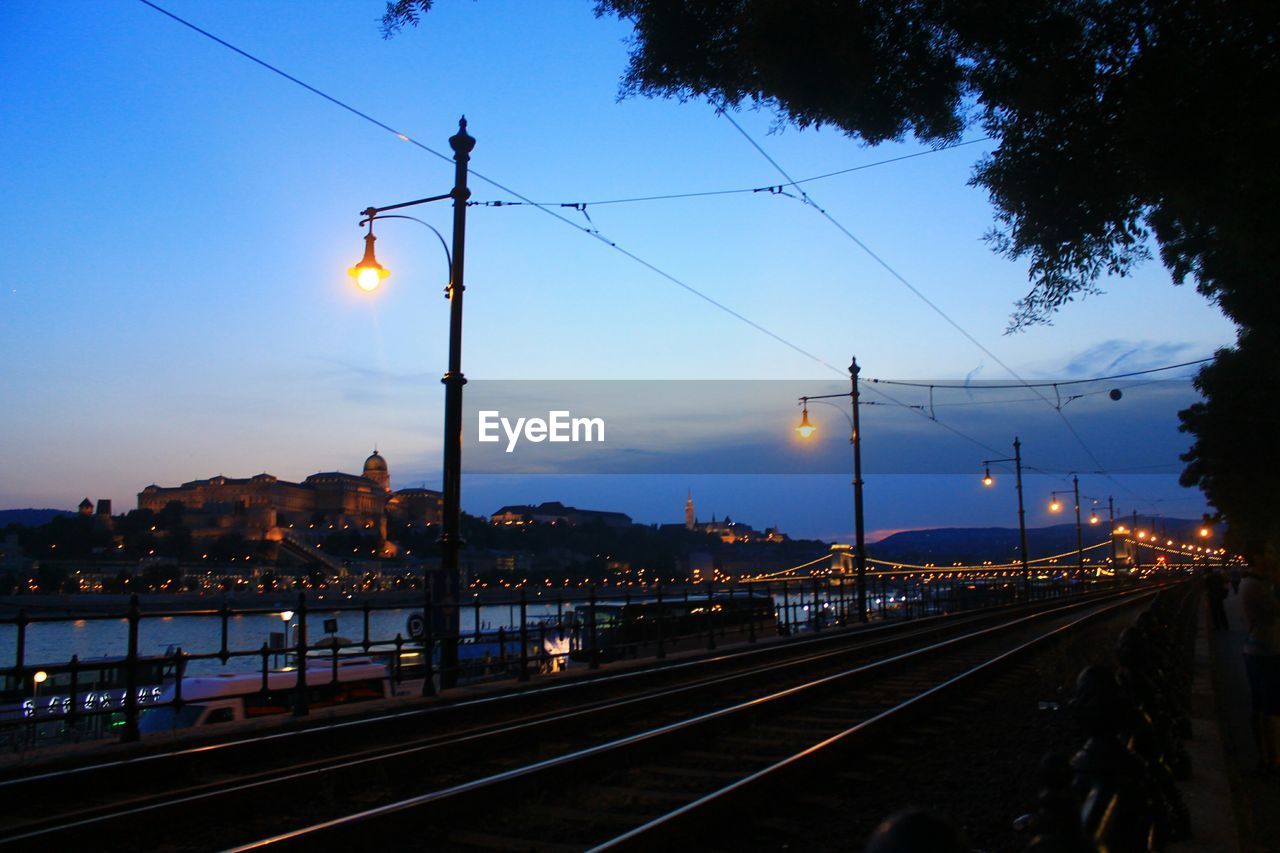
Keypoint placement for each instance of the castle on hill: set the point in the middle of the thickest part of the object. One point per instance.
(728, 530)
(264, 506)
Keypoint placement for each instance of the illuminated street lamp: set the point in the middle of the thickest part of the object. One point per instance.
(1016, 459)
(1055, 505)
(368, 275)
(806, 429)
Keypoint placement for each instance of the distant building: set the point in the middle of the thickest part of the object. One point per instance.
(554, 512)
(729, 531)
(262, 506)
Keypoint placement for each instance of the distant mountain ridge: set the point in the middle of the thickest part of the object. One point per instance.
(30, 517)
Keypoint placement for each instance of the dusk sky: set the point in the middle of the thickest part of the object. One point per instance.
(179, 222)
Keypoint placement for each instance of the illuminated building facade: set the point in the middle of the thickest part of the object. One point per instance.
(263, 506)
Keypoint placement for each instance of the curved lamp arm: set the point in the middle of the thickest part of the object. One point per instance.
(368, 220)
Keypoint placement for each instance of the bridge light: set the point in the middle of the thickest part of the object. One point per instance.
(986, 478)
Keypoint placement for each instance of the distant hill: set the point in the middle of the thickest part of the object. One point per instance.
(970, 545)
(30, 517)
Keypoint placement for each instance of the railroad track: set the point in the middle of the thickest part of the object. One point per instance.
(479, 755)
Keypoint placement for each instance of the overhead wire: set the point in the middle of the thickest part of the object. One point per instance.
(808, 200)
(542, 207)
(592, 232)
(772, 188)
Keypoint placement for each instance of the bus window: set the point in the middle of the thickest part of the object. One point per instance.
(221, 715)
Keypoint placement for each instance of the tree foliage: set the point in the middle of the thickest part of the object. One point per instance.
(1236, 453)
(1114, 119)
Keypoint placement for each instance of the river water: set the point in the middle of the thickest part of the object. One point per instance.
(53, 643)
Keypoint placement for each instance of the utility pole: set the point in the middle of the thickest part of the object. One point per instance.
(1075, 485)
(859, 528)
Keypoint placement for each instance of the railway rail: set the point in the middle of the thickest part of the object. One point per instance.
(612, 761)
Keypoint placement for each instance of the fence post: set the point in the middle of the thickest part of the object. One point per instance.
(397, 674)
(265, 652)
(711, 625)
(591, 628)
(224, 653)
(75, 688)
(524, 634)
(662, 619)
(179, 666)
(300, 654)
(21, 622)
(130, 733)
(365, 609)
(817, 607)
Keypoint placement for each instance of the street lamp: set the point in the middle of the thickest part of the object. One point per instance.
(806, 429)
(987, 480)
(368, 275)
(1055, 505)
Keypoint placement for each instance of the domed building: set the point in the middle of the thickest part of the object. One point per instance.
(264, 507)
(375, 469)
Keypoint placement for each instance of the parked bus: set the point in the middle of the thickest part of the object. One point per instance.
(41, 697)
(233, 697)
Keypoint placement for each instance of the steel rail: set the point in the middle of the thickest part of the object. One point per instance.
(117, 811)
(729, 655)
(761, 778)
(314, 834)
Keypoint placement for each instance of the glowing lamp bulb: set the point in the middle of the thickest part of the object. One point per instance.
(368, 273)
(1055, 505)
(368, 279)
(1204, 532)
(987, 479)
(40, 677)
(1093, 519)
(805, 429)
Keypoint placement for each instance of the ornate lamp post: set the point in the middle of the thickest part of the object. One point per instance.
(988, 480)
(368, 275)
(805, 430)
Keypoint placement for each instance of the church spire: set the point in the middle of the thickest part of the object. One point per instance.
(690, 517)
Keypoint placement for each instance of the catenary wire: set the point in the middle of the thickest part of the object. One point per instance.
(545, 208)
(808, 200)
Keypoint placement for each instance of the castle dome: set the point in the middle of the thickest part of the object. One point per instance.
(375, 469)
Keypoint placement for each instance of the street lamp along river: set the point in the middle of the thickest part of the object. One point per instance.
(368, 275)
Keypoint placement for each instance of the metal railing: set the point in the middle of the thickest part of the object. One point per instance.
(573, 627)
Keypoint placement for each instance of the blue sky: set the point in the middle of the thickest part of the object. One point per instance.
(179, 222)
